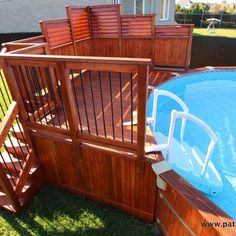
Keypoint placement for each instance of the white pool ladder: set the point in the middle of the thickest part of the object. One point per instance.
(176, 115)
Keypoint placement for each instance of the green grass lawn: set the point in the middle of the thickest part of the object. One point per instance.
(57, 212)
(4, 100)
(229, 33)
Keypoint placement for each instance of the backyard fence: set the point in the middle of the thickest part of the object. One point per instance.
(7, 37)
(213, 51)
(200, 20)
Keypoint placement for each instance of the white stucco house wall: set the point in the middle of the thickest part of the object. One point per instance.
(165, 9)
(23, 15)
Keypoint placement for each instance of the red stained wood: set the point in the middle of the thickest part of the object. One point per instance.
(106, 47)
(111, 171)
(139, 26)
(107, 19)
(79, 21)
(93, 176)
(173, 45)
(62, 25)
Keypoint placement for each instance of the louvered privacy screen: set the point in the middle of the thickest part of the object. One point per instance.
(133, 26)
(79, 20)
(105, 21)
(57, 32)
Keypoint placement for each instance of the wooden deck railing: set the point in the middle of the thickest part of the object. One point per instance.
(15, 156)
(103, 31)
(86, 97)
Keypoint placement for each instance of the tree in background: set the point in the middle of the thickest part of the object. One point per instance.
(199, 8)
(232, 9)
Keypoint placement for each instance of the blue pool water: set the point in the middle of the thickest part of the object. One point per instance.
(211, 96)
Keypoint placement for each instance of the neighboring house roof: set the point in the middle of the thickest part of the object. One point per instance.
(184, 3)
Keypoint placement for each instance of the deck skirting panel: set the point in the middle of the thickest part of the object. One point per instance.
(117, 180)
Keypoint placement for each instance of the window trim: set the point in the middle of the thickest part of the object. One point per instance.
(168, 10)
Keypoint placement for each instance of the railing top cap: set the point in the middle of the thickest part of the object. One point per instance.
(81, 59)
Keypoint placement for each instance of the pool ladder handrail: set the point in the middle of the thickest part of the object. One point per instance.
(184, 115)
(152, 119)
(177, 114)
(156, 94)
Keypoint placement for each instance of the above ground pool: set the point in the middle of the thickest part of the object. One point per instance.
(211, 96)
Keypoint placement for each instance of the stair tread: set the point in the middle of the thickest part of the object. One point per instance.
(18, 132)
(5, 202)
(17, 128)
(19, 148)
(15, 142)
(9, 158)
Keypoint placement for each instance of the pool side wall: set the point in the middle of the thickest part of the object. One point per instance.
(183, 210)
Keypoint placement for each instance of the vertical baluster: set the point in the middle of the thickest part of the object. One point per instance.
(8, 171)
(121, 107)
(76, 100)
(94, 111)
(85, 104)
(102, 102)
(47, 99)
(19, 89)
(3, 112)
(37, 84)
(10, 157)
(17, 121)
(33, 92)
(112, 108)
(5, 87)
(9, 138)
(60, 96)
(17, 140)
(16, 156)
(22, 134)
(4, 100)
(26, 91)
(131, 108)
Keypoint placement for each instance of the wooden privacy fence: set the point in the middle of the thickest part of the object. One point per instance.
(103, 31)
(87, 97)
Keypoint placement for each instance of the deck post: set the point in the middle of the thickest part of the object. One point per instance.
(142, 80)
(10, 78)
(8, 190)
(67, 93)
(190, 39)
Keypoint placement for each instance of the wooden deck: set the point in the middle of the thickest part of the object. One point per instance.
(75, 129)
(100, 105)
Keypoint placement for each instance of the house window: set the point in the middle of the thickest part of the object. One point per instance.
(165, 5)
(136, 6)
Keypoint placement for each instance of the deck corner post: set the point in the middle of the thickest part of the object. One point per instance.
(142, 80)
(67, 94)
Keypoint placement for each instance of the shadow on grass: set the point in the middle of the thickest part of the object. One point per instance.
(57, 212)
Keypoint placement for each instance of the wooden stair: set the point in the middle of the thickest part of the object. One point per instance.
(14, 161)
